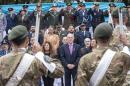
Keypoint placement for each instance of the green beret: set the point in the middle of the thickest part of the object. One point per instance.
(103, 30)
(18, 32)
(69, 4)
(115, 13)
(39, 5)
(80, 3)
(96, 3)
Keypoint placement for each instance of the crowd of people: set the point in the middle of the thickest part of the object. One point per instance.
(67, 35)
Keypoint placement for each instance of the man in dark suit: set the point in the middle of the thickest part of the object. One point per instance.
(82, 34)
(83, 16)
(41, 15)
(11, 19)
(97, 15)
(70, 56)
(23, 19)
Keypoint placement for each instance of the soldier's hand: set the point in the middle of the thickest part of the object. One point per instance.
(36, 47)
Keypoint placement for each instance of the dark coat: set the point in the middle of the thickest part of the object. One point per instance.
(42, 20)
(81, 17)
(67, 58)
(11, 21)
(97, 17)
(25, 21)
(68, 17)
(80, 36)
(52, 18)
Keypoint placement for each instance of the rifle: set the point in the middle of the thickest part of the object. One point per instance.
(110, 20)
(121, 21)
(37, 27)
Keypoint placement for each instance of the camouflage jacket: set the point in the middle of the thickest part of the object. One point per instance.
(10, 62)
(115, 75)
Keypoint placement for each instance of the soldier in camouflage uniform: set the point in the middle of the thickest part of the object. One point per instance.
(116, 73)
(10, 62)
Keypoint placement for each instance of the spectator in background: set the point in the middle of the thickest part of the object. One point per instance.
(108, 12)
(11, 19)
(82, 34)
(97, 15)
(87, 48)
(70, 29)
(4, 48)
(3, 24)
(67, 15)
(23, 19)
(128, 14)
(70, 56)
(93, 44)
(52, 38)
(41, 14)
(47, 50)
(52, 17)
(25, 7)
(64, 40)
(82, 16)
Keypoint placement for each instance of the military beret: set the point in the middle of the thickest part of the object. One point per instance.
(10, 9)
(19, 31)
(96, 3)
(112, 5)
(39, 4)
(25, 6)
(69, 4)
(115, 13)
(103, 30)
(79, 3)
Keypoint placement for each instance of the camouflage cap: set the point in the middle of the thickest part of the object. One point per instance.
(103, 30)
(18, 32)
(115, 13)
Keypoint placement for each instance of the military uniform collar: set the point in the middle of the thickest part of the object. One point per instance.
(20, 50)
(102, 48)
